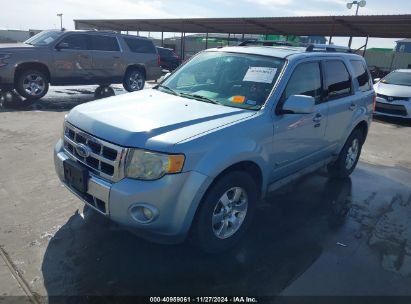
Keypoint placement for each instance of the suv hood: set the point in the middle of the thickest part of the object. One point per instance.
(392, 90)
(151, 119)
(13, 47)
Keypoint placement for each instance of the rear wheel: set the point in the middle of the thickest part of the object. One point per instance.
(349, 156)
(32, 84)
(134, 80)
(225, 212)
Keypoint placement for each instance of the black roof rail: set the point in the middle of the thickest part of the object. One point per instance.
(327, 48)
(265, 42)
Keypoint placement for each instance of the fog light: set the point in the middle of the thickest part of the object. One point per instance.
(148, 213)
(143, 213)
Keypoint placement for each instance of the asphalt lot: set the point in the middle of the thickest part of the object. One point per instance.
(315, 237)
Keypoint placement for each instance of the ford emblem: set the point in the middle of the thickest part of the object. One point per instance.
(83, 150)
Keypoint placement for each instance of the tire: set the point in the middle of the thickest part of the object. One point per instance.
(32, 84)
(134, 80)
(349, 156)
(11, 100)
(103, 92)
(219, 237)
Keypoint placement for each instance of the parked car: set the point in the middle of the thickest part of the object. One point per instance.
(394, 94)
(77, 58)
(169, 60)
(376, 72)
(195, 155)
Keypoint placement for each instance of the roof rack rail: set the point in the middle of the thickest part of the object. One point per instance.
(265, 42)
(102, 31)
(327, 48)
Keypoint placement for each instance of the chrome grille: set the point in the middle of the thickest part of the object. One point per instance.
(103, 158)
(392, 98)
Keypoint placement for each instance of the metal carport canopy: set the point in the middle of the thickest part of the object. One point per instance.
(383, 26)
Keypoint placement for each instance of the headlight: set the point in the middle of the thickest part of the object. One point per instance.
(146, 165)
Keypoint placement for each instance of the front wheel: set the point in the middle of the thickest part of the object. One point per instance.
(32, 84)
(134, 80)
(225, 212)
(103, 91)
(349, 156)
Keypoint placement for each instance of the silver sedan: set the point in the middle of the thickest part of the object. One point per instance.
(394, 94)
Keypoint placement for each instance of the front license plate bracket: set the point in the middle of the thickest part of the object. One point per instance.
(76, 175)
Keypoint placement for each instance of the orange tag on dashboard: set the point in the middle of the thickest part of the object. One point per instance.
(239, 99)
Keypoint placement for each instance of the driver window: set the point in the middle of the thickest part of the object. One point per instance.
(76, 41)
(305, 80)
(200, 74)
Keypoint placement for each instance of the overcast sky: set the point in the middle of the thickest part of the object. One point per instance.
(41, 14)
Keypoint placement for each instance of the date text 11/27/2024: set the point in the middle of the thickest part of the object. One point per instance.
(203, 300)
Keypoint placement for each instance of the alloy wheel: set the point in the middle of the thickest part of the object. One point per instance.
(34, 84)
(229, 212)
(352, 154)
(136, 81)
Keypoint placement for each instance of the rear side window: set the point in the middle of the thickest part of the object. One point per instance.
(104, 43)
(140, 45)
(75, 41)
(337, 79)
(305, 80)
(361, 74)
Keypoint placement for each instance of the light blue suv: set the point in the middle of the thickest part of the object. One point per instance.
(194, 156)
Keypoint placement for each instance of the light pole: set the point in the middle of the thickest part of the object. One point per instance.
(61, 20)
(361, 3)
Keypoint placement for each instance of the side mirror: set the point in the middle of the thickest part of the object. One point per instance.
(299, 104)
(376, 80)
(164, 77)
(62, 45)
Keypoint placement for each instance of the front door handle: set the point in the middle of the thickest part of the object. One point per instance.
(317, 118)
(352, 106)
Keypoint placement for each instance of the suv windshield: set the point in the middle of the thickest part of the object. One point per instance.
(398, 78)
(44, 38)
(230, 79)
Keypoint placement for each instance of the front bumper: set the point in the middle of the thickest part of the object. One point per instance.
(6, 76)
(396, 108)
(175, 197)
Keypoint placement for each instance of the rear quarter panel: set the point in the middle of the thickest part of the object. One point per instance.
(146, 60)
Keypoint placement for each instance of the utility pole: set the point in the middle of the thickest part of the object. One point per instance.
(361, 3)
(61, 20)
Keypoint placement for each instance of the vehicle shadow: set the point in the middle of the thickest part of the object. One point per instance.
(59, 99)
(91, 256)
(398, 122)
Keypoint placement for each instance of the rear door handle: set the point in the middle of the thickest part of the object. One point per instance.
(352, 106)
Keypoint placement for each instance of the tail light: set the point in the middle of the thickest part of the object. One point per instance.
(374, 101)
(158, 59)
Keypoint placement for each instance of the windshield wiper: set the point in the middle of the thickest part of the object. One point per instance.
(200, 97)
(168, 89)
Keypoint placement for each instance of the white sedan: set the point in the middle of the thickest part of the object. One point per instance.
(394, 94)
